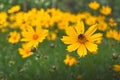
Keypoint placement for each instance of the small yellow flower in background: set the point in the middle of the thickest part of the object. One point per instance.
(106, 10)
(116, 68)
(34, 37)
(78, 39)
(112, 22)
(3, 19)
(102, 26)
(70, 60)
(25, 51)
(14, 9)
(90, 20)
(112, 34)
(94, 5)
(14, 37)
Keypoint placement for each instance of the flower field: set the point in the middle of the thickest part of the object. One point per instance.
(53, 44)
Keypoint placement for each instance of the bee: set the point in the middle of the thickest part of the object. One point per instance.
(81, 36)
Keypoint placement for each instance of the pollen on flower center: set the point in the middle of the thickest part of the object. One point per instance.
(81, 38)
(35, 37)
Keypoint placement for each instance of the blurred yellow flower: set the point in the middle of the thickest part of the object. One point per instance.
(25, 51)
(3, 19)
(106, 10)
(70, 60)
(112, 22)
(78, 39)
(14, 37)
(116, 68)
(94, 5)
(34, 37)
(102, 26)
(91, 20)
(14, 9)
(112, 34)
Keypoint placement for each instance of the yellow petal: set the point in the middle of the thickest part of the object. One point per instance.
(80, 27)
(82, 50)
(69, 40)
(91, 30)
(91, 47)
(70, 31)
(73, 47)
(96, 37)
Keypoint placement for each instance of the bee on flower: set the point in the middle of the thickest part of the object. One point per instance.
(78, 39)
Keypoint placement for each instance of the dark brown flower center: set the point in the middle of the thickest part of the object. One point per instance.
(81, 38)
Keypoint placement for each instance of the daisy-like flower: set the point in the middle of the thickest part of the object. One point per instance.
(14, 9)
(79, 40)
(70, 60)
(14, 37)
(94, 5)
(25, 51)
(34, 37)
(106, 10)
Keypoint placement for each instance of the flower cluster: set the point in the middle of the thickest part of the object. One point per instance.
(83, 31)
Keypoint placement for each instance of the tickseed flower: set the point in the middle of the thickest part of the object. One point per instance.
(34, 37)
(112, 34)
(106, 10)
(78, 39)
(25, 51)
(116, 68)
(102, 26)
(70, 60)
(14, 37)
(94, 5)
(112, 22)
(14, 9)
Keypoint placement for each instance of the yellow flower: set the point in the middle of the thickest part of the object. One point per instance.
(14, 37)
(14, 9)
(112, 34)
(25, 51)
(112, 22)
(80, 40)
(34, 37)
(116, 68)
(70, 60)
(102, 26)
(106, 10)
(3, 19)
(94, 5)
(90, 20)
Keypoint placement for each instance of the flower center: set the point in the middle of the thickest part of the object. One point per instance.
(35, 37)
(81, 38)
